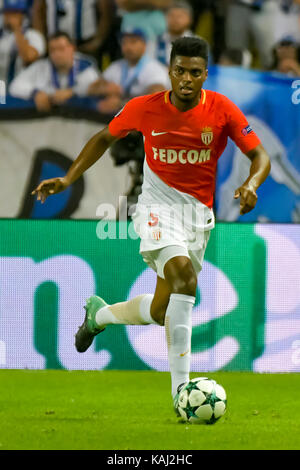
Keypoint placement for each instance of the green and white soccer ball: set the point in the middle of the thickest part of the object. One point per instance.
(202, 401)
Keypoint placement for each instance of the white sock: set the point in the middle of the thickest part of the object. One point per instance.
(133, 312)
(178, 325)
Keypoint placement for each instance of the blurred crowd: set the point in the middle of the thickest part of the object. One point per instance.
(113, 50)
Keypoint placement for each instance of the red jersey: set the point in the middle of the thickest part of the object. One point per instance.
(183, 148)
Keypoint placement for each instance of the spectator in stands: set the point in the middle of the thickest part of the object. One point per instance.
(286, 55)
(148, 15)
(19, 44)
(179, 20)
(87, 22)
(255, 19)
(235, 57)
(134, 75)
(54, 80)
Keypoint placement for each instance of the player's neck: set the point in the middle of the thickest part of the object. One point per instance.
(184, 105)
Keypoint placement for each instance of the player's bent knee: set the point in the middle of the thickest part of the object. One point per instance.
(181, 276)
(184, 285)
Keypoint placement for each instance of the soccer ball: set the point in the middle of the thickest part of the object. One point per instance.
(202, 401)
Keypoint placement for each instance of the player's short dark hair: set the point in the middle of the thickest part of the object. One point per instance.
(190, 47)
(61, 34)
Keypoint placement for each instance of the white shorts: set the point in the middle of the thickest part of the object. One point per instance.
(164, 236)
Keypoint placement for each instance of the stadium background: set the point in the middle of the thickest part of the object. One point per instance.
(247, 315)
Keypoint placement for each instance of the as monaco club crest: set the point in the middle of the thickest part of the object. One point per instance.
(156, 234)
(207, 135)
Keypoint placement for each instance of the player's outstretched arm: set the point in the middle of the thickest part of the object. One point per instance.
(91, 152)
(259, 170)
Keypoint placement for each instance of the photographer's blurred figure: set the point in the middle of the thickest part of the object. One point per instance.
(179, 22)
(134, 75)
(54, 80)
(20, 45)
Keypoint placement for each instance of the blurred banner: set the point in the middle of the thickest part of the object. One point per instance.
(246, 316)
(34, 147)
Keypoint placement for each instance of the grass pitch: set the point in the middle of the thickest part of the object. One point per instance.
(133, 410)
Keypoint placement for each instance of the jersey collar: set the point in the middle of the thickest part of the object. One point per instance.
(168, 101)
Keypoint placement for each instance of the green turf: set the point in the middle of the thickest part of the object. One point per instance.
(133, 410)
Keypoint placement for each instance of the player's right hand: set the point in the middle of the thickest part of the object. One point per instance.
(49, 187)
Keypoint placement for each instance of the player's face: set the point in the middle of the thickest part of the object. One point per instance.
(187, 76)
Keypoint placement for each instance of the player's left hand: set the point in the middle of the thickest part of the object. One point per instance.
(49, 187)
(248, 197)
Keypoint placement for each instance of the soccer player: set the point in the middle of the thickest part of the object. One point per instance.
(185, 132)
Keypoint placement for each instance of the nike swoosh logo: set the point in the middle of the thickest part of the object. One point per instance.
(158, 133)
(181, 355)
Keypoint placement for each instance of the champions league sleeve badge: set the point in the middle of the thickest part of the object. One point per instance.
(247, 130)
